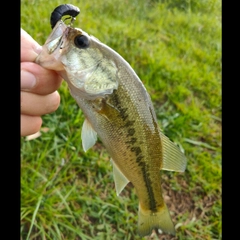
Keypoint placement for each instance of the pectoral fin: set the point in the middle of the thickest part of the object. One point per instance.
(173, 158)
(89, 135)
(120, 180)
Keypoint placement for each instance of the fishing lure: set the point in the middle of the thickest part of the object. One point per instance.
(63, 10)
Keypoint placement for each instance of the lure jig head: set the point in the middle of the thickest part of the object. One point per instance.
(63, 10)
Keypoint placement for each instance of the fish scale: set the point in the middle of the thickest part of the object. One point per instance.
(109, 133)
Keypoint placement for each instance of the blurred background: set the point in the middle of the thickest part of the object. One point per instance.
(175, 48)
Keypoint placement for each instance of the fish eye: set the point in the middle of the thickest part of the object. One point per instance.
(81, 41)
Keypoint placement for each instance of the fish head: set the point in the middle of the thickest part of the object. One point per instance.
(82, 60)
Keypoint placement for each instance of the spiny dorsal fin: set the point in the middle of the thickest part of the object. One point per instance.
(173, 158)
(89, 135)
(120, 180)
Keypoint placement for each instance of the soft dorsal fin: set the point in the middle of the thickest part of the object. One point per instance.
(173, 158)
(120, 180)
(89, 135)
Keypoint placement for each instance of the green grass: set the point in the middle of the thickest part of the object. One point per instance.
(175, 48)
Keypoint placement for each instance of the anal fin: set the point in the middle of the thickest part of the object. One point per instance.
(120, 180)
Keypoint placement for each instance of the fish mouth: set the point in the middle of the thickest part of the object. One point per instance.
(54, 47)
(58, 39)
(60, 42)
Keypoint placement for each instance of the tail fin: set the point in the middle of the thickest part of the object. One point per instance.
(147, 221)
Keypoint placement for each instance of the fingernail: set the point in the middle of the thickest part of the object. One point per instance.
(38, 49)
(28, 80)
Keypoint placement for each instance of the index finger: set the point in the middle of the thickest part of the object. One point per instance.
(29, 47)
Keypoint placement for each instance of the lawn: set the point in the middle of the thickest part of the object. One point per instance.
(175, 48)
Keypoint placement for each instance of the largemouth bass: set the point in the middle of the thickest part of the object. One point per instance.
(119, 110)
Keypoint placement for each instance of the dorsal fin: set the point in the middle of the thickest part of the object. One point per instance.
(173, 158)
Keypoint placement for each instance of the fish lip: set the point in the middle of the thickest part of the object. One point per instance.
(66, 32)
(64, 39)
(64, 42)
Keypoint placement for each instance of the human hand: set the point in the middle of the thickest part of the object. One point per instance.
(39, 86)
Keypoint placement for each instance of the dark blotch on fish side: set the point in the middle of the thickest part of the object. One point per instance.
(131, 132)
(63, 10)
(137, 150)
(123, 113)
(148, 182)
(132, 141)
(138, 160)
(129, 123)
